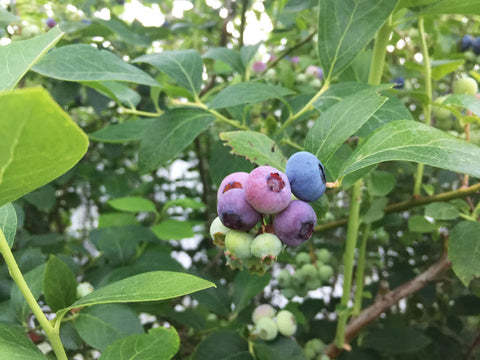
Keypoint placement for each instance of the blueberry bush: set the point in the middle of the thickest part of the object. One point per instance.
(241, 179)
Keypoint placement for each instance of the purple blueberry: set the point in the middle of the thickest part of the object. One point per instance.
(476, 45)
(259, 66)
(295, 59)
(50, 22)
(235, 180)
(268, 190)
(306, 176)
(295, 224)
(235, 212)
(466, 42)
(399, 82)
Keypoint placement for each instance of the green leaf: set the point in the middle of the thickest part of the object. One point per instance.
(466, 7)
(220, 345)
(441, 211)
(468, 102)
(7, 17)
(413, 141)
(81, 62)
(183, 66)
(464, 250)
(124, 32)
(118, 91)
(256, 147)
(340, 121)
(150, 286)
(345, 27)
(8, 222)
(419, 224)
(131, 130)
(132, 204)
(18, 57)
(375, 211)
(171, 229)
(380, 183)
(247, 53)
(99, 326)
(440, 68)
(170, 134)
(43, 198)
(247, 93)
(216, 300)
(282, 348)
(34, 279)
(385, 339)
(246, 286)
(228, 56)
(159, 344)
(59, 284)
(41, 128)
(14, 345)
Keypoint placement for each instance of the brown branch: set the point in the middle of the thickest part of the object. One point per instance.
(472, 347)
(408, 204)
(383, 303)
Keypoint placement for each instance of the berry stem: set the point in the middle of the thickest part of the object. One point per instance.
(427, 109)
(52, 333)
(357, 303)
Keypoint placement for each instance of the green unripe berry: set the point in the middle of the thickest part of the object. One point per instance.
(289, 293)
(325, 272)
(284, 278)
(309, 272)
(302, 78)
(323, 255)
(302, 258)
(316, 83)
(440, 113)
(218, 232)
(266, 245)
(286, 323)
(313, 284)
(238, 244)
(313, 348)
(466, 85)
(261, 311)
(83, 289)
(266, 329)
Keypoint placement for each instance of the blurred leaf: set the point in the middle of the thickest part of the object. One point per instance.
(132, 204)
(386, 339)
(18, 57)
(99, 326)
(440, 68)
(222, 163)
(419, 224)
(256, 147)
(131, 130)
(375, 211)
(8, 222)
(282, 348)
(340, 121)
(221, 345)
(14, 345)
(82, 62)
(468, 102)
(183, 66)
(34, 279)
(441, 211)
(247, 93)
(116, 219)
(159, 344)
(345, 27)
(170, 134)
(466, 305)
(228, 56)
(118, 91)
(413, 141)
(463, 250)
(214, 299)
(248, 52)
(69, 336)
(380, 183)
(466, 7)
(124, 32)
(246, 286)
(7, 17)
(151, 286)
(59, 284)
(171, 229)
(43, 198)
(40, 128)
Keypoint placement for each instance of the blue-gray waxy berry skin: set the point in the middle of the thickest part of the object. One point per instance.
(306, 176)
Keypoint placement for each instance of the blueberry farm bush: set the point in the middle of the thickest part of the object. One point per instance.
(118, 240)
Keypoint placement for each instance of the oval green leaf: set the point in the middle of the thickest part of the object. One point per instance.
(464, 249)
(8, 222)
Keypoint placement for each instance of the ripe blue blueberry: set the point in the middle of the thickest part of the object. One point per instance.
(295, 224)
(306, 175)
(50, 22)
(466, 42)
(235, 212)
(268, 190)
(399, 82)
(476, 45)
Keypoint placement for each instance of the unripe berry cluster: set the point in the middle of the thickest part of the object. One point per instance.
(310, 274)
(268, 323)
(313, 350)
(265, 196)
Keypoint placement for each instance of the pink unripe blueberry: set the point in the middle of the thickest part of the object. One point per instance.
(235, 180)
(261, 311)
(259, 66)
(235, 212)
(50, 22)
(295, 224)
(268, 190)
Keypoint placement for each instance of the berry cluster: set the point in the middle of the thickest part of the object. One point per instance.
(265, 196)
(314, 350)
(310, 273)
(468, 42)
(267, 323)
